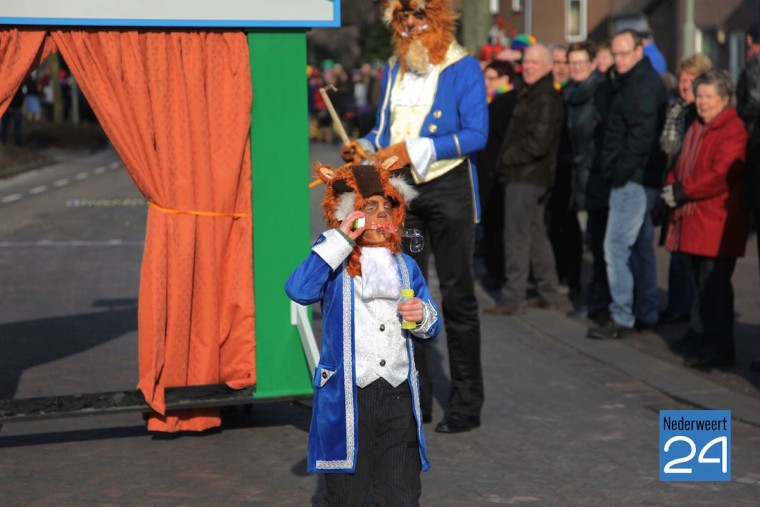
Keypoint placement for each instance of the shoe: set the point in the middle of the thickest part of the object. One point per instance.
(610, 331)
(578, 313)
(457, 424)
(505, 309)
(688, 343)
(645, 327)
(668, 317)
(707, 358)
(427, 418)
(560, 305)
(599, 316)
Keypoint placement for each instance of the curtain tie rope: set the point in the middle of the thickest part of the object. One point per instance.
(196, 213)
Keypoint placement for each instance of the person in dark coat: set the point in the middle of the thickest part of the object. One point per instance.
(527, 165)
(710, 221)
(632, 163)
(502, 101)
(585, 106)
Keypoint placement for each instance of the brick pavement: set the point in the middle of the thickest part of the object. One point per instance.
(559, 428)
(562, 426)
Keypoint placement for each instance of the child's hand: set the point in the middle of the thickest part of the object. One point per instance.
(347, 225)
(411, 310)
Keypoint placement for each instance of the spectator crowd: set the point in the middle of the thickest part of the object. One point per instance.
(591, 147)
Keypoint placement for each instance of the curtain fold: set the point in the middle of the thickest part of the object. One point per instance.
(19, 52)
(176, 106)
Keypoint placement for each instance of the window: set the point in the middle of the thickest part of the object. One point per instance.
(575, 20)
(517, 5)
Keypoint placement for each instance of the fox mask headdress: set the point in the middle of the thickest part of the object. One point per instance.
(348, 189)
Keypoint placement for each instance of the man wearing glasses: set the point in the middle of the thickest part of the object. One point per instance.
(632, 163)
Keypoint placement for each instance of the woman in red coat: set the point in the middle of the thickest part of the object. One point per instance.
(711, 220)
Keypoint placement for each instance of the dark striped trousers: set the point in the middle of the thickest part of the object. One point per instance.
(388, 459)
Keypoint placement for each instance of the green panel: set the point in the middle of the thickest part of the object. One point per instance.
(280, 172)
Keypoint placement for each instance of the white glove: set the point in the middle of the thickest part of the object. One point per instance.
(667, 196)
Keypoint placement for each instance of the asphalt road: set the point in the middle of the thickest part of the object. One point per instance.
(563, 424)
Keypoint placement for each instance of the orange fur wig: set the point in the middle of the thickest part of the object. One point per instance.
(349, 187)
(440, 21)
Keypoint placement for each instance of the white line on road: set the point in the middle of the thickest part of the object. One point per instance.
(99, 170)
(72, 243)
(10, 198)
(61, 182)
(38, 190)
(82, 176)
(115, 165)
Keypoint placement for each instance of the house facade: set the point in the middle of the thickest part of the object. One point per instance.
(720, 24)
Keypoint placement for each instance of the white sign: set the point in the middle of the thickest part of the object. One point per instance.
(173, 13)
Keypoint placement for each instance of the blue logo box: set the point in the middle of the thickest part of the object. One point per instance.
(695, 445)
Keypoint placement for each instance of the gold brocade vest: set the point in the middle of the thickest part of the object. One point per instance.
(407, 119)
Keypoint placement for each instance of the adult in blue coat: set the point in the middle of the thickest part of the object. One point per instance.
(433, 116)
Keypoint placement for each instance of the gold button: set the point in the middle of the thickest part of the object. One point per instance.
(433, 128)
(437, 114)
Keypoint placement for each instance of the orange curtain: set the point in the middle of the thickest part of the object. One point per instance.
(176, 106)
(19, 51)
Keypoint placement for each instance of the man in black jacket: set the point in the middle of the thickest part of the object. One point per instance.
(527, 164)
(632, 163)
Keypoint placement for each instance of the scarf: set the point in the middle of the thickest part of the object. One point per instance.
(673, 130)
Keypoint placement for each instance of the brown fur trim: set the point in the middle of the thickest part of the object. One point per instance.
(441, 20)
(345, 180)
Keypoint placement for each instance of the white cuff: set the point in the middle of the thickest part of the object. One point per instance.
(429, 317)
(333, 248)
(422, 153)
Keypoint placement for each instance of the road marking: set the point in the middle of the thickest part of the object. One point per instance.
(38, 190)
(71, 243)
(61, 182)
(99, 170)
(10, 198)
(82, 176)
(115, 165)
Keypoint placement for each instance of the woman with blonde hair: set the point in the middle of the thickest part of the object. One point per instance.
(681, 114)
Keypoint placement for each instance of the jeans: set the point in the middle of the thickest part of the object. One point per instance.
(629, 254)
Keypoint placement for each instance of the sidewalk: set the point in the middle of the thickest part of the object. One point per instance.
(646, 356)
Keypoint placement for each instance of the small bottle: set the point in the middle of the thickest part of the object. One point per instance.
(406, 295)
